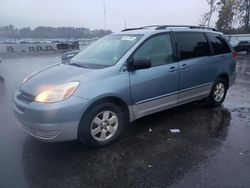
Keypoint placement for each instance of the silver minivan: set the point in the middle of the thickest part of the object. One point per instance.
(123, 77)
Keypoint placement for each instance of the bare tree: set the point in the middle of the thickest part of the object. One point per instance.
(206, 17)
(237, 13)
(233, 14)
(245, 13)
(226, 15)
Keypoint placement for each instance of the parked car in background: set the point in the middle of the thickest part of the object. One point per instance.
(123, 77)
(243, 46)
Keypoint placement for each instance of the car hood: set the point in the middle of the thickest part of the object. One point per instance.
(53, 76)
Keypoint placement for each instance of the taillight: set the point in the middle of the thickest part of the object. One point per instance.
(234, 54)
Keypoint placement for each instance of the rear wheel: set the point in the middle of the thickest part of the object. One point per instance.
(218, 93)
(102, 125)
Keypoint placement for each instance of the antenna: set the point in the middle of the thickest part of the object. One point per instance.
(104, 14)
(125, 24)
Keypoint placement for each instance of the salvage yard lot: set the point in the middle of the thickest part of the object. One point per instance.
(211, 150)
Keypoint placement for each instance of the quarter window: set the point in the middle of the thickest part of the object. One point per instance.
(219, 44)
(192, 45)
(158, 49)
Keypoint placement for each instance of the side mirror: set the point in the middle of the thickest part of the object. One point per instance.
(139, 64)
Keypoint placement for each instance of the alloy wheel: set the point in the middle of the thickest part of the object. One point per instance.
(104, 125)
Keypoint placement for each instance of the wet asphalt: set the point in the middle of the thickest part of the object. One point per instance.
(212, 149)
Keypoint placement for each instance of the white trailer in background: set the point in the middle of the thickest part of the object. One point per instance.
(236, 38)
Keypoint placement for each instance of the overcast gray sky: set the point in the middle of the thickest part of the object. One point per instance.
(89, 13)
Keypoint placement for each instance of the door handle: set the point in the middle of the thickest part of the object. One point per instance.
(184, 66)
(172, 69)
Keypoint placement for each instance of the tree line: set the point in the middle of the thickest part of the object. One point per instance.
(233, 15)
(10, 31)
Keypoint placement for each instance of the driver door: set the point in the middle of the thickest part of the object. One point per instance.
(156, 88)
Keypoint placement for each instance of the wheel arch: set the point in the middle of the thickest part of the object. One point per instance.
(108, 99)
(225, 77)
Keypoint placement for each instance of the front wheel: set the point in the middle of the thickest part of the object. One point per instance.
(218, 93)
(102, 125)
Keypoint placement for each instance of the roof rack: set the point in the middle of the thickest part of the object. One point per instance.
(188, 26)
(159, 27)
(144, 27)
(130, 29)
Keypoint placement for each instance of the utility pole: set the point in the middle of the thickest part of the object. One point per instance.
(125, 24)
(104, 14)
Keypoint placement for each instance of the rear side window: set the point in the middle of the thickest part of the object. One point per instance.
(192, 45)
(219, 44)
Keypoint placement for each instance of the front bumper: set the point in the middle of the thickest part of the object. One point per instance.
(50, 122)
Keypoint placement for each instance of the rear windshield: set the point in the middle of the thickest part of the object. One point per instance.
(106, 51)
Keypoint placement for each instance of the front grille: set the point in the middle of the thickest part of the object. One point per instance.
(24, 96)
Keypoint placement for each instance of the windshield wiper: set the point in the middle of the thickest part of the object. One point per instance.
(78, 65)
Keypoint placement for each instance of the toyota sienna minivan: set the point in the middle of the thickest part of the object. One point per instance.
(123, 77)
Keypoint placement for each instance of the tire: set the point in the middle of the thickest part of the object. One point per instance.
(218, 93)
(102, 125)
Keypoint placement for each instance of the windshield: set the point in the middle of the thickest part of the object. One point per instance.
(105, 52)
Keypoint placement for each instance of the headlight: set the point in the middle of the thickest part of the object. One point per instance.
(57, 93)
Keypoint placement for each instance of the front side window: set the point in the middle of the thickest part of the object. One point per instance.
(106, 51)
(192, 45)
(158, 49)
(219, 44)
